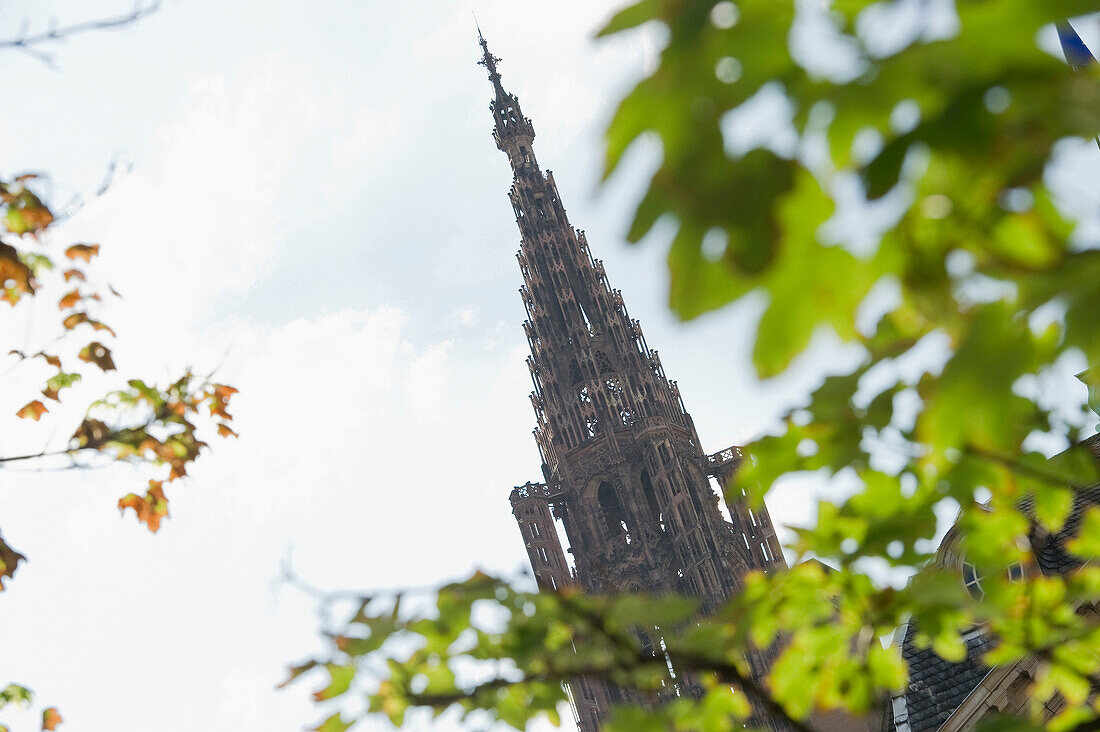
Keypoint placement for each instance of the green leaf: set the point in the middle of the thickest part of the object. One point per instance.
(1086, 544)
(340, 681)
(1052, 506)
(631, 17)
(335, 723)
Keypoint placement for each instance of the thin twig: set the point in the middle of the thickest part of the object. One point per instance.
(34, 456)
(27, 42)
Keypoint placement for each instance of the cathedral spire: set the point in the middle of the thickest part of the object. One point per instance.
(622, 464)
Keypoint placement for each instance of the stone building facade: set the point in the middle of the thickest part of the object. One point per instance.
(627, 500)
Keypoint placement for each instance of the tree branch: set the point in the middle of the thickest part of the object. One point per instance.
(28, 43)
(1018, 467)
(33, 456)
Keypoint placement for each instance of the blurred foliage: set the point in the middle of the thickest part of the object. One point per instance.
(146, 424)
(20, 696)
(931, 126)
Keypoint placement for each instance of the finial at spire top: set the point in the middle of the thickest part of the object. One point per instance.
(488, 60)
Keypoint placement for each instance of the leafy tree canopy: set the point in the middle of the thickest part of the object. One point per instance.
(945, 131)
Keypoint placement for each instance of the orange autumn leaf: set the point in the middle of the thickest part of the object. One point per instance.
(50, 719)
(221, 391)
(82, 251)
(33, 410)
(51, 360)
(74, 273)
(226, 431)
(71, 298)
(150, 508)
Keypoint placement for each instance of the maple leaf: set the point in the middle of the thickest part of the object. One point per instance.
(32, 410)
(220, 394)
(226, 431)
(74, 274)
(82, 251)
(9, 561)
(50, 719)
(150, 508)
(97, 353)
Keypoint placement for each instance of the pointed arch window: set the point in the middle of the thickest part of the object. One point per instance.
(652, 503)
(611, 509)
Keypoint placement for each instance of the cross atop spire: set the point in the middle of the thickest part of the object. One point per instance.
(489, 61)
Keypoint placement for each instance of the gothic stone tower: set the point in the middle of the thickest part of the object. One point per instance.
(624, 471)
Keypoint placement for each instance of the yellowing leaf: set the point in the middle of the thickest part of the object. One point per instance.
(27, 214)
(32, 410)
(150, 508)
(50, 719)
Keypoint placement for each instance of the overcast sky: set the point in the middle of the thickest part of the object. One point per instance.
(311, 203)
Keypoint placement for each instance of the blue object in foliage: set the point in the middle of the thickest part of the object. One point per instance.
(1077, 53)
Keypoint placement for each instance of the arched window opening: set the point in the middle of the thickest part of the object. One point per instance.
(612, 510)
